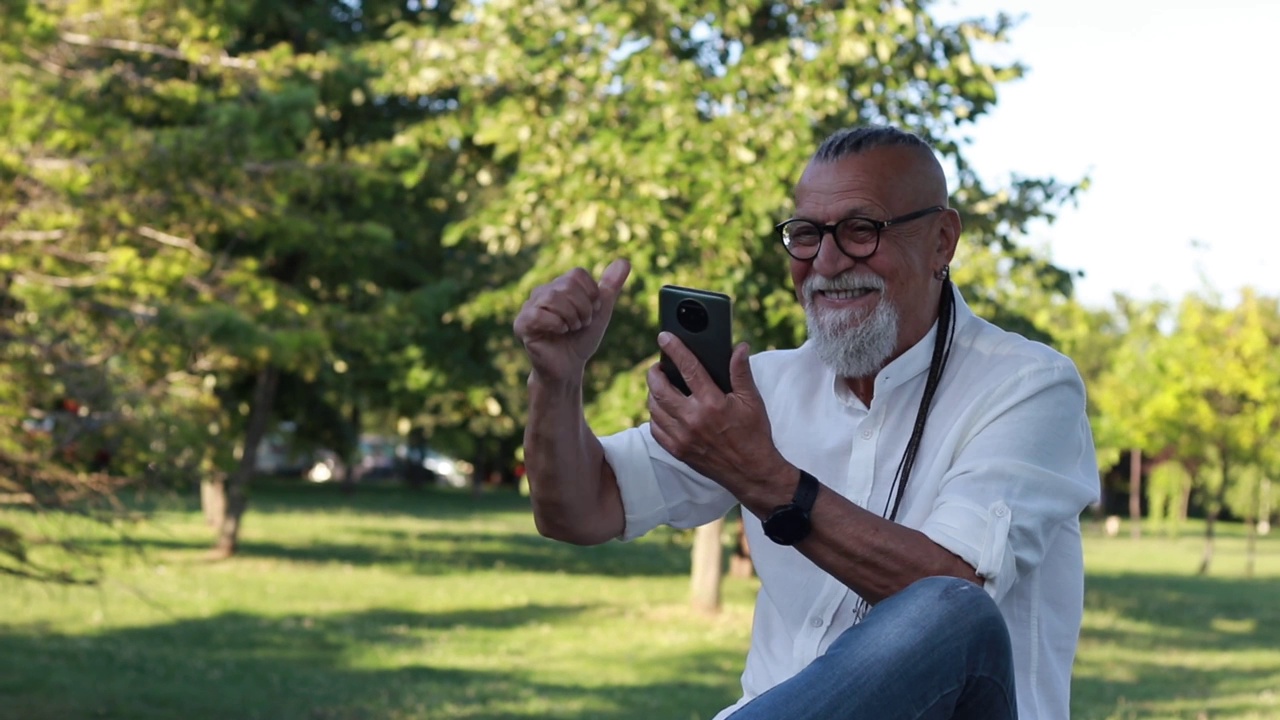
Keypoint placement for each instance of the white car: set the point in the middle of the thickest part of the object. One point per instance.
(448, 471)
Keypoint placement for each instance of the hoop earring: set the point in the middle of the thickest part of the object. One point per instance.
(942, 273)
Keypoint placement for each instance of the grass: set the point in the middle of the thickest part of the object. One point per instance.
(1161, 642)
(395, 605)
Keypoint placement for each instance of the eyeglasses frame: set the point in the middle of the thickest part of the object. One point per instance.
(824, 230)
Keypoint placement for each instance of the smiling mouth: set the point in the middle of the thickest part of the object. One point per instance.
(846, 294)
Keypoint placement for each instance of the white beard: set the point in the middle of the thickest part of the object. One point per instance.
(852, 342)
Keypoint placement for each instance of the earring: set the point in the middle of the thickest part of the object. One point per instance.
(942, 273)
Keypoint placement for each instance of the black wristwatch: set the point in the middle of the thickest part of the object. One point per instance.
(789, 524)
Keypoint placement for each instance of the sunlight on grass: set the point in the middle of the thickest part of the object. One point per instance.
(406, 606)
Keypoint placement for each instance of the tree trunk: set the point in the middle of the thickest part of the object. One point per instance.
(234, 496)
(708, 567)
(351, 457)
(1251, 531)
(213, 501)
(740, 562)
(1135, 493)
(479, 475)
(1207, 558)
(1184, 509)
(1250, 543)
(414, 471)
(1211, 517)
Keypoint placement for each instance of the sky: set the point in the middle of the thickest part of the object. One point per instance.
(1172, 110)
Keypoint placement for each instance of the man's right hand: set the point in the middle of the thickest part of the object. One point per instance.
(562, 322)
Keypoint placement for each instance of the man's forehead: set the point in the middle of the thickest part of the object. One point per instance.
(879, 175)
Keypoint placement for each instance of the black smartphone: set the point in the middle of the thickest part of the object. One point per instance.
(703, 320)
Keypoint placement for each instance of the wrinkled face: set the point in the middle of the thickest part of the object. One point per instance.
(870, 311)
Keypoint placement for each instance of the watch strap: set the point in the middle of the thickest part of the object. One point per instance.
(806, 492)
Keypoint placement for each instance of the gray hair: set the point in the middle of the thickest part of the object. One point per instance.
(852, 141)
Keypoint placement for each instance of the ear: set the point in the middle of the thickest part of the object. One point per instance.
(948, 236)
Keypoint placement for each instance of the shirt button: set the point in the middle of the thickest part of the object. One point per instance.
(866, 434)
(1002, 511)
(816, 622)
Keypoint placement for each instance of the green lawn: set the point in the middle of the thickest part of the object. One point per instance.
(394, 605)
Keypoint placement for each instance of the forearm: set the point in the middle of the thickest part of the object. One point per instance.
(874, 556)
(871, 555)
(574, 492)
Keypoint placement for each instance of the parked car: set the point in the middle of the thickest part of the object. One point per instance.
(448, 471)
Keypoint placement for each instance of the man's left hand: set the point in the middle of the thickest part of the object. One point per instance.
(726, 437)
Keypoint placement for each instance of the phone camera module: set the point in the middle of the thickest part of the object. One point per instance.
(692, 316)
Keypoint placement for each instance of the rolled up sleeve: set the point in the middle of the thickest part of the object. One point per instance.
(642, 502)
(1026, 468)
(656, 488)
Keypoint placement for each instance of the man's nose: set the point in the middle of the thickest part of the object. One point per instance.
(830, 260)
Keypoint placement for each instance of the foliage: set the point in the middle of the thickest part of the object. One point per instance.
(358, 197)
(671, 134)
(1200, 388)
(1168, 484)
(201, 191)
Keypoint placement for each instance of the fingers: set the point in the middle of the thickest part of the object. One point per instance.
(614, 277)
(573, 296)
(660, 387)
(695, 376)
(534, 321)
(740, 377)
(664, 420)
(612, 281)
(572, 301)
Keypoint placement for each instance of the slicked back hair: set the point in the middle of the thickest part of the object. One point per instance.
(852, 141)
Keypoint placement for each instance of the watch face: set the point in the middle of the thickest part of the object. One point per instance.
(787, 525)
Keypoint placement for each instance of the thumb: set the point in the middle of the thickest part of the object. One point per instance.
(611, 282)
(740, 371)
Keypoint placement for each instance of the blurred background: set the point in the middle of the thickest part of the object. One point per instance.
(261, 260)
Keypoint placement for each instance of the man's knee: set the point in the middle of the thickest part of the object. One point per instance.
(946, 595)
(940, 605)
(937, 627)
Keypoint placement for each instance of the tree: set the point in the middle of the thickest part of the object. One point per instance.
(672, 134)
(1203, 394)
(707, 566)
(1133, 404)
(333, 209)
(221, 182)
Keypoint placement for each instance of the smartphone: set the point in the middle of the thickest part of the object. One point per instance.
(703, 320)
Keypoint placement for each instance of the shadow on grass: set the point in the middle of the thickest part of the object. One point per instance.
(448, 541)
(384, 498)
(1155, 650)
(371, 664)
(273, 495)
(443, 553)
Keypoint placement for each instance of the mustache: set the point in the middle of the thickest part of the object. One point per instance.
(845, 281)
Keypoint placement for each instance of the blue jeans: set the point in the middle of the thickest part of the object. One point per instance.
(937, 650)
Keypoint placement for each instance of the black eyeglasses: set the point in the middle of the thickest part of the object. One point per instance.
(857, 237)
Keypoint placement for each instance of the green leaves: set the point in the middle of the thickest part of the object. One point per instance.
(377, 188)
(672, 135)
(1198, 385)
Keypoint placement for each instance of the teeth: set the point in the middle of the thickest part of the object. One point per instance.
(846, 294)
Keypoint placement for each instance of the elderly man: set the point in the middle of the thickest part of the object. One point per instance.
(912, 476)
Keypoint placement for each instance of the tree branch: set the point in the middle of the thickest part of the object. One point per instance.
(134, 46)
(91, 259)
(173, 241)
(62, 282)
(33, 235)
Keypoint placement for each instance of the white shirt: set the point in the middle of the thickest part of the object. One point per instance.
(1005, 467)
